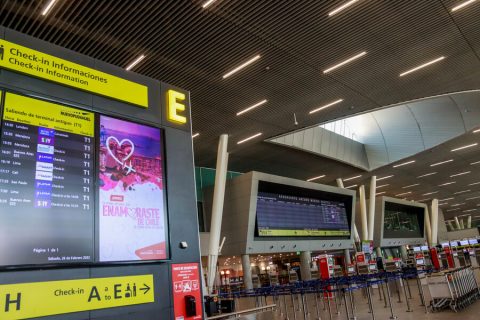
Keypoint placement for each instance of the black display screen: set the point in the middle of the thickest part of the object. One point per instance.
(403, 221)
(288, 211)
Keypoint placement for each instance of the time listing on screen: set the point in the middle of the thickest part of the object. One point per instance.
(46, 183)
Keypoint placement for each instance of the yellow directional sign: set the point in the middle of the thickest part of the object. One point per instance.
(39, 299)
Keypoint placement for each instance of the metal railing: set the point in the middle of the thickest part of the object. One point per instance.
(239, 313)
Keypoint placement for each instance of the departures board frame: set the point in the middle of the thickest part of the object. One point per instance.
(95, 246)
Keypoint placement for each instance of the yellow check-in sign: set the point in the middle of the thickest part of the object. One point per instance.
(45, 66)
(39, 299)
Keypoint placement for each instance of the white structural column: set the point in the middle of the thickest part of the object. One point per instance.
(434, 221)
(403, 252)
(363, 213)
(450, 224)
(217, 209)
(340, 183)
(371, 206)
(469, 222)
(247, 272)
(462, 225)
(457, 223)
(428, 227)
(305, 260)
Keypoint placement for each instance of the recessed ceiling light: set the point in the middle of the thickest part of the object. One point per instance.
(386, 177)
(429, 193)
(427, 174)
(207, 3)
(352, 186)
(249, 138)
(345, 62)
(446, 199)
(326, 106)
(463, 4)
(476, 162)
(458, 204)
(383, 185)
(446, 183)
(463, 191)
(460, 174)
(379, 193)
(441, 162)
(421, 66)
(135, 62)
(464, 147)
(315, 178)
(402, 194)
(473, 198)
(48, 7)
(195, 135)
(342, 7)
(240, 67)
(403, 164)
(351, 178)
(252, 107)
(412, 185)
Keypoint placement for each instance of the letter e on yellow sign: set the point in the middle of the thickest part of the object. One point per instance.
(176, 106)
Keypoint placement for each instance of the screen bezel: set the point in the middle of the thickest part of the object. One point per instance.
(330, 196)
(95, 262)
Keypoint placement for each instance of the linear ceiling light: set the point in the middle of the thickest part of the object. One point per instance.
(423, 200)
(342, 7)
(195, 135)
(240, 67)
(446, 183)
(379, 193)
(429, 193)
(326, 106)
(403, 164)
(386, 177)
(470, 210)
(315, 178)
(135, 62)
(383, 185)
(460, 174)
(475, 131)
(207, 3)
(465, 147)
(351, 178)
(473, 184)
(402, 194)
(439, 163)
(421, 66)
(412, 185)
(252, 107)
(442, 204)
(458, 204)
(249, 138)
(345, 62)
(473, 163)
(463, 191)
(352, 186)
(453, 209)
(473, 198)
(463, 4)
(446, 199)
(427, 174)
(48, 7)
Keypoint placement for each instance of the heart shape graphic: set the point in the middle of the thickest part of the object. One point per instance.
(120, 143)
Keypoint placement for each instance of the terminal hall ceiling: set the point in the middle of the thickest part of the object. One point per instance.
(297, 42)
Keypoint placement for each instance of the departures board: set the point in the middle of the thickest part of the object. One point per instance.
(68, 196)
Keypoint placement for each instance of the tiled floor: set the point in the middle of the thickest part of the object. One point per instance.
(381, 312)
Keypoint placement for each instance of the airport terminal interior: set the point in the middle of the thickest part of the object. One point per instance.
(220, 159)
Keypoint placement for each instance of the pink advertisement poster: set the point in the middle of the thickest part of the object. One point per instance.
(131, 199)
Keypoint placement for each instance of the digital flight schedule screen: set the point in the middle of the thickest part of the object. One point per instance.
(46, 183)
(289, 211)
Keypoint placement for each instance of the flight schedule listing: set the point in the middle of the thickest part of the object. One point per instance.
(46, 183)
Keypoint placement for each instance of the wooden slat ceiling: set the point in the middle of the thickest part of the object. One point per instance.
(193, 47)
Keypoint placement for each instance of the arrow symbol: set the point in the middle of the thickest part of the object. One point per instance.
(145, 289)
